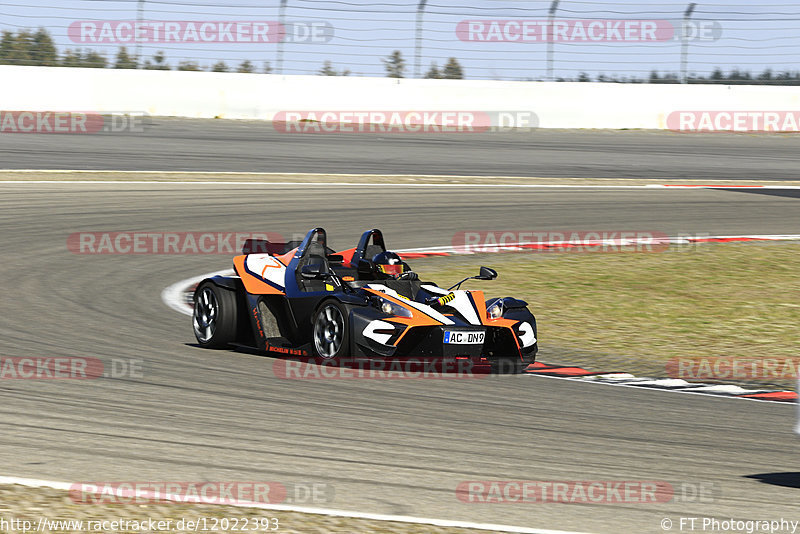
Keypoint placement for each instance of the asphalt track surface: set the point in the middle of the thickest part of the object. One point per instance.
(386, 446)
(214, 145)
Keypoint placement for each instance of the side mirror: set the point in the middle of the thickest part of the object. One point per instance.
(335, 258)
(312, 272)
(487, 274)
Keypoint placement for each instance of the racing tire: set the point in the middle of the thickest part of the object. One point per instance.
(214, 316)
(330, 331)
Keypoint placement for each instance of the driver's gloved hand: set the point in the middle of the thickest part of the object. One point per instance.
(408, 275)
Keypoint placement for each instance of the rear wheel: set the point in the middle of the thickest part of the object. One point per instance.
(330, 331)
(214, 316)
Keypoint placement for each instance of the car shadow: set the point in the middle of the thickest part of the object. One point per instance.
(786, 480)
(290, 366)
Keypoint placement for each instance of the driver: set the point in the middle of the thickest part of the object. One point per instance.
(389, 266)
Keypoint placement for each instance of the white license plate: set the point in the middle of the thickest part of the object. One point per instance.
(464, 338)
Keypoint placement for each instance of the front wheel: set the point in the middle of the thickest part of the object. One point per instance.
(214, 316)
(330, 331)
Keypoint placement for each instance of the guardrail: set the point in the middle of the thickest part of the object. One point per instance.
(266, 96)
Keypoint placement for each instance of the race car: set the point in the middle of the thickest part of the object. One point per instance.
(303, 299)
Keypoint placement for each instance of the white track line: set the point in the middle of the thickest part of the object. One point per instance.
(384, 184)
(320, 184)
(678, 240)
(708, 184)
(353, 174)
(65, 486)
(174, 295)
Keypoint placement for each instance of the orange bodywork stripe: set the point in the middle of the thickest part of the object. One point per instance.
(503, 323)
(417, 318)
(286, 258)
(397, 341)
(480, 302)
(411, 323)
(347, 256)
(277, 266)
(253, 285)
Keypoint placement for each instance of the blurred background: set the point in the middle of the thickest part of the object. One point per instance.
(735, 41)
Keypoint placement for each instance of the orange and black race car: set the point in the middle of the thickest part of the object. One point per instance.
(304, 299)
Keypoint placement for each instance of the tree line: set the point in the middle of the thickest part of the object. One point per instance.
(717, 76)
(27, 47)
(37, 48)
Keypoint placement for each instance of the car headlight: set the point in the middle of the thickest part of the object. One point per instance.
(390, 308)
(495, 311)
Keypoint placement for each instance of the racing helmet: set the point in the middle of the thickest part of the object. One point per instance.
(388, 265)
